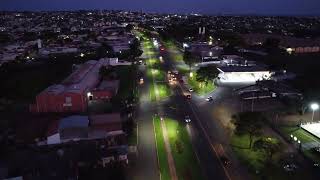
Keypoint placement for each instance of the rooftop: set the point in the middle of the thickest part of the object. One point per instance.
(74, 122)
(242, 69)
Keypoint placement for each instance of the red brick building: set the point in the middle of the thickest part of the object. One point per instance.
(73, 94)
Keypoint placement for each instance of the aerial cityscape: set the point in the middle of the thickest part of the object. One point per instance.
(163, 90)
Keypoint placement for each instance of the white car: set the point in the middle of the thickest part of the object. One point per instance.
(187, 119)
(141, 81)
(190, 90)
(209, 99)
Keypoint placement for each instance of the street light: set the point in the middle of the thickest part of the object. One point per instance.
(314, 107)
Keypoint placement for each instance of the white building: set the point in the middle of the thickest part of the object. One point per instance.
(243, 74)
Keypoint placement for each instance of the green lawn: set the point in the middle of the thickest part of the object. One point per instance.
(301, 134)
(315, 156)
(200, 88)
(186, 164)
(163, 90)
(175, 56)
(304, 137)
(256, 161)
(253, 159)
(152, 93)
(161, 152)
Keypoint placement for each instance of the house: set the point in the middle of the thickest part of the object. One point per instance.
(76, 128)
(72, 128)
(267, 89)
(111, 155)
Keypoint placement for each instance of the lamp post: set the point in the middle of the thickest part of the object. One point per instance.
(314, 107)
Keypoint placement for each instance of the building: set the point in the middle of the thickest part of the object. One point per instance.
(243, 74)
(73, 94)
(291, 44)
(77, 128)
(105, 90)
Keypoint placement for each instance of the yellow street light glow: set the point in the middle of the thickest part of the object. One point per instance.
(289, 50)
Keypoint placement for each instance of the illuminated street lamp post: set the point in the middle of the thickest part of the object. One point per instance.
(314, 107)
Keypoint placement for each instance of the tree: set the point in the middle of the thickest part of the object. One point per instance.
(248, 123)
(268, 145)
(189, 58)
(129, 27)
(207, 74)
(135, 48)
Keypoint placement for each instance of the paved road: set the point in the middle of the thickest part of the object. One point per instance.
(147, 164)
(207, 134)
(208, 160)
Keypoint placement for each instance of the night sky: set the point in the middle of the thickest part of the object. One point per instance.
(262, 7)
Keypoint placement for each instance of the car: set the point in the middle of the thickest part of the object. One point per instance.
(209, 99)
(190, 90)
(188, 96)
(162, 48)
(225, 160)
(290, 167)
(141, 81)
(187, 119)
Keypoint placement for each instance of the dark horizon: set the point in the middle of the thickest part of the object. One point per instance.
(206, 7)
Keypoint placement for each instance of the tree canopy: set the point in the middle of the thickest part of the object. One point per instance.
(248, 123)
(269, 145)
(207, 74)
(189, 58)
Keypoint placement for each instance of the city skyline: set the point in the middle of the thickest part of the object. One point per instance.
(242, 7)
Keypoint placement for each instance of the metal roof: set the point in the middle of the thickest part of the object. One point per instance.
(75, 121)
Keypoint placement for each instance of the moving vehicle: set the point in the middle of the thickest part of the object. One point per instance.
(225, 160)
(141, 81)
(187, 119)
(209, 99)
(190, 90)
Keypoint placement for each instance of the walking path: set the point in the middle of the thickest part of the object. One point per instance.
(172, 167)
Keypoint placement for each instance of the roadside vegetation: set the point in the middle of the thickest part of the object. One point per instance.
(187, 166)
(161, 152)
(262, 153)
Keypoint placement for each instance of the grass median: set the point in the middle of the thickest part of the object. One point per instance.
(186, 164)
(176, 55)
(161, 152)
(200, 88)
(162, 90)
